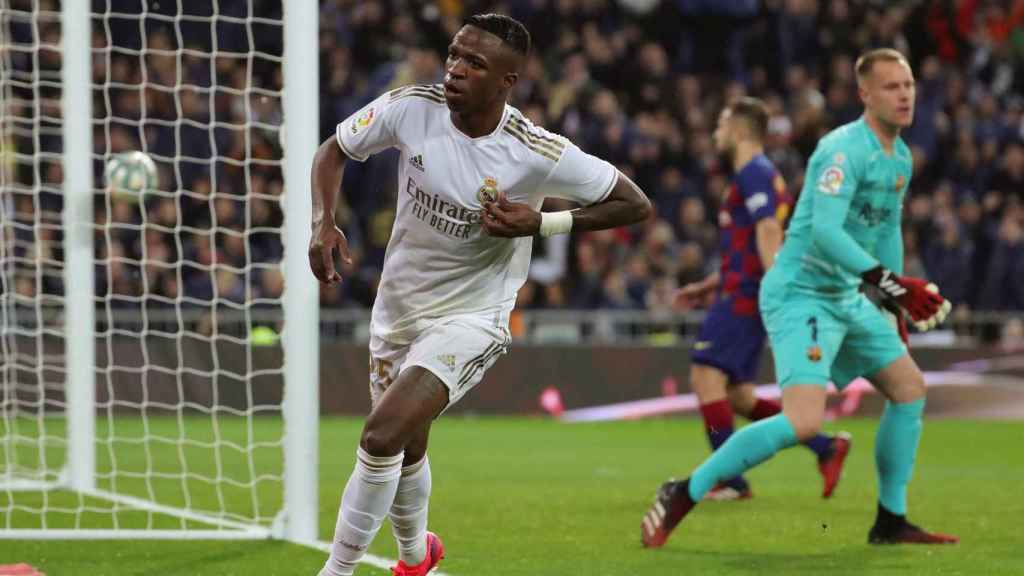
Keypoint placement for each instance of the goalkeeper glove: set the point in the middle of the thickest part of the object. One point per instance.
(927, 308)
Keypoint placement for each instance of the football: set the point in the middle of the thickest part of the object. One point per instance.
(131, 173)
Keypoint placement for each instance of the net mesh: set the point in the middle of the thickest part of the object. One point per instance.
(188, 275)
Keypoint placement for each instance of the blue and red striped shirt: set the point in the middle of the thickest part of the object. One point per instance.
(757, 192)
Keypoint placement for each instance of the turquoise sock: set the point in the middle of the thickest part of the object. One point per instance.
(895, 451)
(745, 449)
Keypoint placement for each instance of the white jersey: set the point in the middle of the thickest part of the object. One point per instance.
(439, 262)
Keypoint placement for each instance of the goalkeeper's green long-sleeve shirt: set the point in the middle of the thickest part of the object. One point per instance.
(847, 219)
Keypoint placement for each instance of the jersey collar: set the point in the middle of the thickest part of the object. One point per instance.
(876, 144)
(464, 136)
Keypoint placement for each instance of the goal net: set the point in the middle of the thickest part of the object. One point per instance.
(145, 332)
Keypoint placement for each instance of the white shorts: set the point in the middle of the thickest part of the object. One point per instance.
(458, 350)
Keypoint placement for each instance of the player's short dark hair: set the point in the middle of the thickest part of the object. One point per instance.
(754, 112)
(867, 60)
(511, 31)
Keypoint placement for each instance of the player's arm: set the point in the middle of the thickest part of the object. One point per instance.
(769, 239)
(761, 190)
(610, 199)
(696, 294)
(834, 184)
(890, 255)
(362, 134)
(328, 169)
(890, 246)
(918, 298)
(625, 205)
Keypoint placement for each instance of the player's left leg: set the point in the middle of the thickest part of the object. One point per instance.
(873, 347)
(408, 405)
(899, 433)
(408, 512)
(829, 450)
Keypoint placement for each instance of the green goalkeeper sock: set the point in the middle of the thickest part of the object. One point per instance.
(745, 449)
(895, 451)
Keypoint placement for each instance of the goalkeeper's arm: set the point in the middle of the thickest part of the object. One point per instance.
(834, 191)
(890, 255)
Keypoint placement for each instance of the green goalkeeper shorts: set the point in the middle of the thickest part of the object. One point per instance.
(817, 339)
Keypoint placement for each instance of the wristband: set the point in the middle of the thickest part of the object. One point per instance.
(552, 223)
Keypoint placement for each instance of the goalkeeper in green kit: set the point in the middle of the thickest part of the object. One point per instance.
(845, 233)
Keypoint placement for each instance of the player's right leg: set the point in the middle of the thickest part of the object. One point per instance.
(801, 418)
(829, 450)
(399, 415)
(805, 336)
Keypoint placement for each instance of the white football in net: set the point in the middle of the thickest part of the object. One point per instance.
(131, 172)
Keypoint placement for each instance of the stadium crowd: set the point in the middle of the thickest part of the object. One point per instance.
(640, 84)
(637, 82)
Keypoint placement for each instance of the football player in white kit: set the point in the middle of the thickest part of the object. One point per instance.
(473, 174)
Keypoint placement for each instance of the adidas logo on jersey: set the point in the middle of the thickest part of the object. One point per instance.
(417, 161)
(448, 360)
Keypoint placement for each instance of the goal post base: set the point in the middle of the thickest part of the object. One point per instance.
(120, 534)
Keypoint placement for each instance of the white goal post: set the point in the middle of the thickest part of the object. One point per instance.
(180, 400)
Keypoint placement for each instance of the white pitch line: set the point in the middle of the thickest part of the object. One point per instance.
(662, 405)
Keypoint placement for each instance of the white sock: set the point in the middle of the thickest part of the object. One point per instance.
(409, 512)
(366, 500)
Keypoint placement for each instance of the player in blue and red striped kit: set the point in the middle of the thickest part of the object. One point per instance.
(727, 352)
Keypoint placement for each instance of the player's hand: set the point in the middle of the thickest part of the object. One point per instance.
(921, 299)
(693, 295)
(327, 239)
(509, 219)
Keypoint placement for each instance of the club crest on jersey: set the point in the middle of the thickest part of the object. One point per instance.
(417, 162)
(362, 121)
(831, 180)
(724, 219)
(900, 180)
(489, 191)
(814, 353)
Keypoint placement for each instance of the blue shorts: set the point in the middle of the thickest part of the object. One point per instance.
(730, 342)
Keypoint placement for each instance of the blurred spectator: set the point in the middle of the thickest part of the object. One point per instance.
(622, 79)
(1004, 284)
(948, 261)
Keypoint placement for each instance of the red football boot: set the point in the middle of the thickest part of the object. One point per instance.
(671, 505)
(831, 466)
(435, 552)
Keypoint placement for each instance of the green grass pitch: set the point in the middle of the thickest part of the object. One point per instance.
(532, 497)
